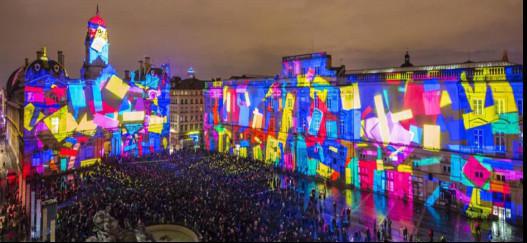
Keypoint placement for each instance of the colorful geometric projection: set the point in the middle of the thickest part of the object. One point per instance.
(97, 41)
(374, 134)
(87, 119)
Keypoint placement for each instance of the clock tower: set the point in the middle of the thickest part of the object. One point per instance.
(96, 48)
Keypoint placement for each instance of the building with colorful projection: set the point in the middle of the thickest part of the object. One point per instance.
(449, 135)
(58, 123)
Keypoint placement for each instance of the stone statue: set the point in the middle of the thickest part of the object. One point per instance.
(107, 229)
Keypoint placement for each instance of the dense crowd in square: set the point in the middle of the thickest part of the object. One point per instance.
(221, 197)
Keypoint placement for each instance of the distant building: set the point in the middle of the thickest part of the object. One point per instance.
(446, 135)
(2, 111)
(186, 112)
(3, 139)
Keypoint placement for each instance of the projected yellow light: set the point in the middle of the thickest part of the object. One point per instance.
(471, 120)
(383, 121)
(117, 87)
(445, 99)
(431, 137)
(401, 116)
(133, 116)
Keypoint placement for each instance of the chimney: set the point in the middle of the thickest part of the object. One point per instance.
(26, 61)
(505, 56)
(126, 75)
(141, 70)
(60, 57)
(147, 63)
(39, 54)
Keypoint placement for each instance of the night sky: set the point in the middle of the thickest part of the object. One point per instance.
(225, 38)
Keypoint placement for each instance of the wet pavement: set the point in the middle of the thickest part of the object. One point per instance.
(367, 208)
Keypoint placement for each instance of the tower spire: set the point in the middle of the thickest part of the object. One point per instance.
(44, 53)
(407, 62)
(505, 56)
(97, 12)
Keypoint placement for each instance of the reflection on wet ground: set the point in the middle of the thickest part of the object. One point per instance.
(368, 208)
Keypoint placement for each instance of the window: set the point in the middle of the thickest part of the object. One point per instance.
(478, 106)
(520, 106)
(55, 125)
(500, 177)
(341, 126)
(500, 106)
(478, 139)
(348, 96)
(499, 142)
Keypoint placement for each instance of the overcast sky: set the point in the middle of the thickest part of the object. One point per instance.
(224, 38)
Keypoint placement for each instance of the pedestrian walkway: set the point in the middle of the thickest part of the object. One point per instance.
(367, 208)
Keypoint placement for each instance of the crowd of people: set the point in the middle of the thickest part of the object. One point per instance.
(13, 223)
(220, 197)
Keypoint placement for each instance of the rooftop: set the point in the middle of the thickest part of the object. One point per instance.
(189, 83)
(431, 67)
(252, 76)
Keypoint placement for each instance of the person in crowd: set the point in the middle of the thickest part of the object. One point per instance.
(431, 234)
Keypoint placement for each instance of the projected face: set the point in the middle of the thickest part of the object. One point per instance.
(373, 134)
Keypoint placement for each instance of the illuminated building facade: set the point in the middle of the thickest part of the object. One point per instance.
(61, 123)
(449, 135)
(186, 112)
(3, 138)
